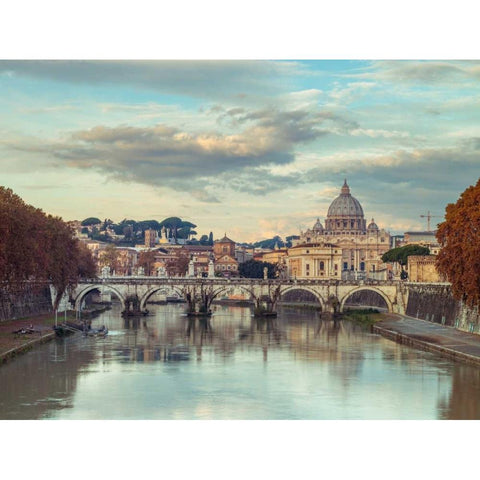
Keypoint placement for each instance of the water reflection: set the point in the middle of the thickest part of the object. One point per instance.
(232, 365)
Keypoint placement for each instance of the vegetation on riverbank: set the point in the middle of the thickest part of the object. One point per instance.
(303, 306)
(364, 316)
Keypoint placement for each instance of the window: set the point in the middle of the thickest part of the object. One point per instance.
(345, 265)
(336, 267)
(373, 268)
(362, 266)
(307, 266)
(322, 266)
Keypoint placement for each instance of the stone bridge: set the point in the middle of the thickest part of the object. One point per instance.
(134, 292)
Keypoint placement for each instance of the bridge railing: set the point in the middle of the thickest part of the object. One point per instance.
(236, 280)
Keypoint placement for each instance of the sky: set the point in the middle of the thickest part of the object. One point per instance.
(249, 148)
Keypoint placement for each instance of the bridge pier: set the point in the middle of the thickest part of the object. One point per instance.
(132, 307)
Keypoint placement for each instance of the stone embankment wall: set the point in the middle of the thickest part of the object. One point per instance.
(24, 301)
(435, 303)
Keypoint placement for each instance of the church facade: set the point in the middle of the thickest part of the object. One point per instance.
(344, 248)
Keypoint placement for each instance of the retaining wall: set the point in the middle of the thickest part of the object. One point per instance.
(435, 303)
(25, 301)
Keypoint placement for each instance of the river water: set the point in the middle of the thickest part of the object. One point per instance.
(232, 366)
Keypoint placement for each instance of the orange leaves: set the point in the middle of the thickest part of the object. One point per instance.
(36, 246)
(459, 236)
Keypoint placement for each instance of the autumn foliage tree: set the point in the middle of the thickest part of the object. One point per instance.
(109, 258)
(37, 247)
(146, 260)
(459, 237)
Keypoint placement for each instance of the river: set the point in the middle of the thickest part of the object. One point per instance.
(232, 366)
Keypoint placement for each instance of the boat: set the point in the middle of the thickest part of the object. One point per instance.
(96, 332)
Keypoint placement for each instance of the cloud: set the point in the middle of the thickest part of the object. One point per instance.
(169, 156)
(382, 178)
(428, 72)
(198, 78)
(50, 109)
(204, 196)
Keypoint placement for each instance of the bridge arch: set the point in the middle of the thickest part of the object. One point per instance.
(367, 288)
(217, 289)
(151, 291)
(305, 288)
(81, 295)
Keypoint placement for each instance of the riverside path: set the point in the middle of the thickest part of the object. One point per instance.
(429, 336)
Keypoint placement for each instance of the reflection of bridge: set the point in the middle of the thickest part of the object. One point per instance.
(134, 292)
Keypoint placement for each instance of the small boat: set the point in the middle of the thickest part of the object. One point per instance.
(96, 332)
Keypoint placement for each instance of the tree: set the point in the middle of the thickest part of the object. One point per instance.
(400, 254)
(91, 221)
(204, 240)
(254, 269)
(210, 238)
(459, 237)
(146, 260)
(109, 257)
(270, 243)
(172, 224)
(178, 266)
(36, 247)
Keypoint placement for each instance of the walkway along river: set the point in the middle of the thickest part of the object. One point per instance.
(233, 366)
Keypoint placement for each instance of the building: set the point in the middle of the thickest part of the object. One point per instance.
(422, 268)
(425, 239)
(150, 238)
(347, 247)
(224, 252)
(201, 256)
(311, 260)
(243, 254)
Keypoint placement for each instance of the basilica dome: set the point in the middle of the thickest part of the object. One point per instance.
(345, 204)
(345, 214)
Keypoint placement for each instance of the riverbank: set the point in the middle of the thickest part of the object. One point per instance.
(432, 337)
(12, 344)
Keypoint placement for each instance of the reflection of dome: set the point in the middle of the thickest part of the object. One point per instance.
(345, 204)
(372, 226)
(318, 227)
(345, 214)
